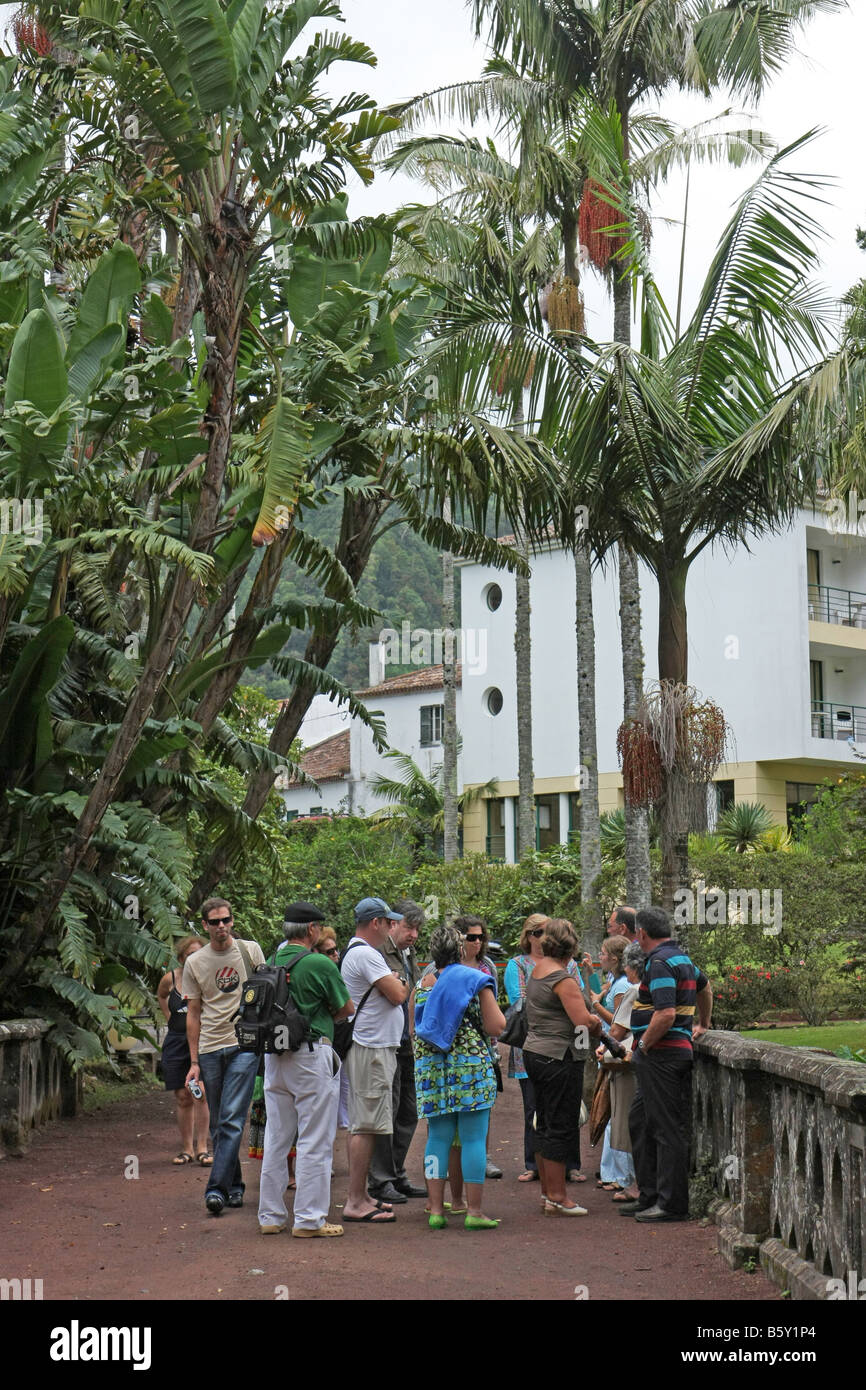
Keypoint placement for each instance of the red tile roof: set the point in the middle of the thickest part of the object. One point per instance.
(425, 678)
(329, 760)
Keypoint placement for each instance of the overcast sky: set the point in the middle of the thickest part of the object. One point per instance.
(422, 46)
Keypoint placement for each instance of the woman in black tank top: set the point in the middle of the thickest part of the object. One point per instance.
(192, 1115)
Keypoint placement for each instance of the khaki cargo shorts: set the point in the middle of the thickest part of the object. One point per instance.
(371, 1077)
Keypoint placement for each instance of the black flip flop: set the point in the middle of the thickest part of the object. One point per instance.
(378, 1217)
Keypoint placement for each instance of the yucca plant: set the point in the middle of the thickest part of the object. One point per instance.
(743, 826)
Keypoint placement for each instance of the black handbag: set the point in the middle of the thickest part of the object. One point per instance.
(516, 1025)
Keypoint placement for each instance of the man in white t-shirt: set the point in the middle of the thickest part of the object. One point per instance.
(378, 995)
(212, 985)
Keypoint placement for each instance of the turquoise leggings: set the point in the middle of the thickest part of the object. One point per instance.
(471, 1126)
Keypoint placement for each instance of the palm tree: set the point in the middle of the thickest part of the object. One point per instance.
(550, 55)
(481, 212)
(692, 444)
(417, 803)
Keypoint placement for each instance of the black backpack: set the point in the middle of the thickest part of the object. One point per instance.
(269, 1019)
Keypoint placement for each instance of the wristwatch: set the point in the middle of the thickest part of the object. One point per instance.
(641, 1048)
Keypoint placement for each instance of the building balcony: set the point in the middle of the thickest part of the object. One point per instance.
(838, 721)
(844, 607)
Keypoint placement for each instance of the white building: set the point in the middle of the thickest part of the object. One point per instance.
(343, 762)
(777, 637)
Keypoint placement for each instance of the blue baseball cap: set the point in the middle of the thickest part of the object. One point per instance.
(368, 908)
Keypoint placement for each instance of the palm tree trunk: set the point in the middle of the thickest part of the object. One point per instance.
(674, 670)
(673, 628)
(523, 685)
(637, 859)
(590, 832)
(451, 844)
(638, 888)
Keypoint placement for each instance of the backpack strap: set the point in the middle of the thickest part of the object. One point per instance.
(248, 966)
(349, 948)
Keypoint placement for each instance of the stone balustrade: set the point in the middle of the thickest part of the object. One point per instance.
(783, 1131)
(35, 1086)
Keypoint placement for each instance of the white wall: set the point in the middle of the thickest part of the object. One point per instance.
(402, 715)
(748, 650)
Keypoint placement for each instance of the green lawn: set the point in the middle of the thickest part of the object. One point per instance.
(831, 1035)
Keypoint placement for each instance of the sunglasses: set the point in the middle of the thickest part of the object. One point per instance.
(218, 921)
(539, 931)
(479, 937)
(332, 950)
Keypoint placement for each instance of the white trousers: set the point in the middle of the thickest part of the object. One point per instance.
(301, 1098)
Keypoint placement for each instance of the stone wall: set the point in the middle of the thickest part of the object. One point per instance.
(35, 1087)
(783, 1130)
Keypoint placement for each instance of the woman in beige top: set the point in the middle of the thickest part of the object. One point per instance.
(559, 1028)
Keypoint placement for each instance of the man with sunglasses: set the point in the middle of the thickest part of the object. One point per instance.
(212, 982)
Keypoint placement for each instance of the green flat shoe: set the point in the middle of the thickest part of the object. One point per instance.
(479, 1223)
(436, 1222)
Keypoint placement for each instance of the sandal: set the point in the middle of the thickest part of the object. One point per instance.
(182, 1158)
(204, 1158)
(610, 1187)
(622, 1196)
(531, 1175)
(575, 1175)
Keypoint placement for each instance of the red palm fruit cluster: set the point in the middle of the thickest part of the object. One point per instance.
(596, 213)
(30, 34)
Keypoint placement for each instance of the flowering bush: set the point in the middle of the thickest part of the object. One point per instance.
(746, 995)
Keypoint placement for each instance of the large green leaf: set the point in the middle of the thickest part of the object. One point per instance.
(286, 435)
(310, 281)
(23, 708)
(107, 296)
(36, 374)
(36, 369)
(245, 21)
(203, 34)
(94, 359)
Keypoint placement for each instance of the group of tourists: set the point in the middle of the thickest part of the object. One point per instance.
(389, 1041)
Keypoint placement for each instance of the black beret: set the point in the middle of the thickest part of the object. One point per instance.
(303, 912)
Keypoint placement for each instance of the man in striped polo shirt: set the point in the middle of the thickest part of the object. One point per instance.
(672, 990)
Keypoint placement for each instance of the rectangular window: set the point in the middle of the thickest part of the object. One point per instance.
(800, 796)
(813, 566)
(573, 815)
(496, 828)
(816, 682)
(432, 724)
(546, 821)
(724, 795)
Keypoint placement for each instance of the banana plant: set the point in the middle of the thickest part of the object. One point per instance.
(234, 132)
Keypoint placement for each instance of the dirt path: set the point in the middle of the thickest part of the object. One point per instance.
(70, 1217)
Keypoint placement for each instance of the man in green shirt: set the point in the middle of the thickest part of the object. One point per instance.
(302, 1089)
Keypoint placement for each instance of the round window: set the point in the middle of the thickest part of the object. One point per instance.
(493, 597)
(493, 700)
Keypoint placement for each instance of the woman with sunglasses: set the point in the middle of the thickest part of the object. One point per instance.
(476, 940)
(517, 973)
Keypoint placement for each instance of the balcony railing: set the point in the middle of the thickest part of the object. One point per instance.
(839, 722)
(843, 606)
